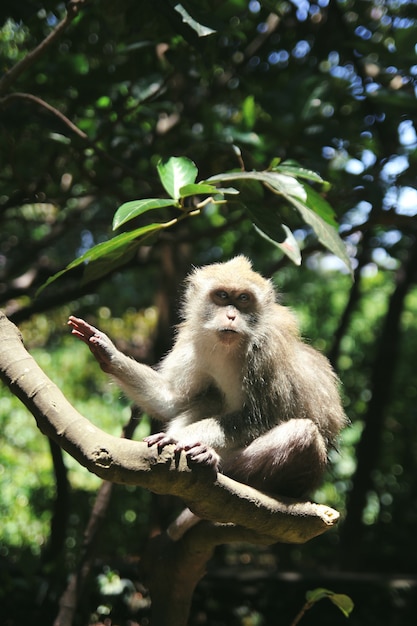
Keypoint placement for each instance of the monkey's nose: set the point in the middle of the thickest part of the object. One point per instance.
(231, 313)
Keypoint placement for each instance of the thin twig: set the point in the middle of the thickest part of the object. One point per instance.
(73, 9)
(48, 107)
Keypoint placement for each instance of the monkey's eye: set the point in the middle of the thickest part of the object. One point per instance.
(243, 298)
(221, 295)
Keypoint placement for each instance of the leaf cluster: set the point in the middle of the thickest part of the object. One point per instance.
(178, 177)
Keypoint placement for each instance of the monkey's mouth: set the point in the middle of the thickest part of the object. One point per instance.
(228, 335)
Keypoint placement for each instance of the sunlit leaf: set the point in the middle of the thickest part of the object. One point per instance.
(200, 29)
(289, 246)
(281, 183)
(205, 189)
(228, 190)
(285, 185)
(305, 200)
(326, 234)
(319, 205)
(176, 172)
(196, 189)
(129, 210)
(297, 171)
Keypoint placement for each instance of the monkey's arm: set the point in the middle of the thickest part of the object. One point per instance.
(145, 386)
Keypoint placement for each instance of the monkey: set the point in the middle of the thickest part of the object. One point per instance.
(240, 391)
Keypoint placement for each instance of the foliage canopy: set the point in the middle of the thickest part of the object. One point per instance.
(241, 93)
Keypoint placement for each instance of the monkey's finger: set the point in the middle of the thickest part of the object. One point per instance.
(82, 328)
(191, 446)
(204, 457)
(159, 439)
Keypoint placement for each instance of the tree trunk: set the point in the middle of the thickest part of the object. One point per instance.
(381, 384)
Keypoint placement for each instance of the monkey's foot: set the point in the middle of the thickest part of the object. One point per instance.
(201, 454)
(195, 452)
(159, 439)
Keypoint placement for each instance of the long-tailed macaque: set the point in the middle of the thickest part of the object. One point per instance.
(239, 391)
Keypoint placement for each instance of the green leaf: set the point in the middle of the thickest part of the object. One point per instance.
(176, 172)
(274, 163)
(115, 248)
(110, 261)
(299, 195)
(249, 112)
(296, 191)
(289, 246)
(297, 171)
(198, 188)
(285, 185)
(319, 205)
(228, 190)
(129, 210)
(326, 234)
(317, 594)
(205, 189)
(115, 245)
(280, 183)
(343, 602)
(200, 29)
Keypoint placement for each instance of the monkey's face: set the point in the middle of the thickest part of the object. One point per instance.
(230, 314)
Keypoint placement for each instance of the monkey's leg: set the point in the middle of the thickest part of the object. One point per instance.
(288, 460)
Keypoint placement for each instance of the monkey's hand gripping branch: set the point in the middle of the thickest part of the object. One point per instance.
(259, 518)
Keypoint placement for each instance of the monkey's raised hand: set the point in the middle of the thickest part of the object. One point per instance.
(100, 345)
(196, 452)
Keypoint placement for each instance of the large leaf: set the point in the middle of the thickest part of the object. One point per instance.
(298, 172)
(129, 210)
(289, 246)
(281, 183)
(290, 188)
(320, 206)
(200, 29)
(300, 196)
(287, 186)
(176, 172)
(268, 224)
(115, 248)
(110, 261)
(195, 189)
(326, 234)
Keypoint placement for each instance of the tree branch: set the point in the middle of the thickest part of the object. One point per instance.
(216, 498)
(51, 109)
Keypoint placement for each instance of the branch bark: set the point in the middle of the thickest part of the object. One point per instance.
(216, 498)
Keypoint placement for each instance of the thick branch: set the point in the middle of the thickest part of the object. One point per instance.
(217, 498)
